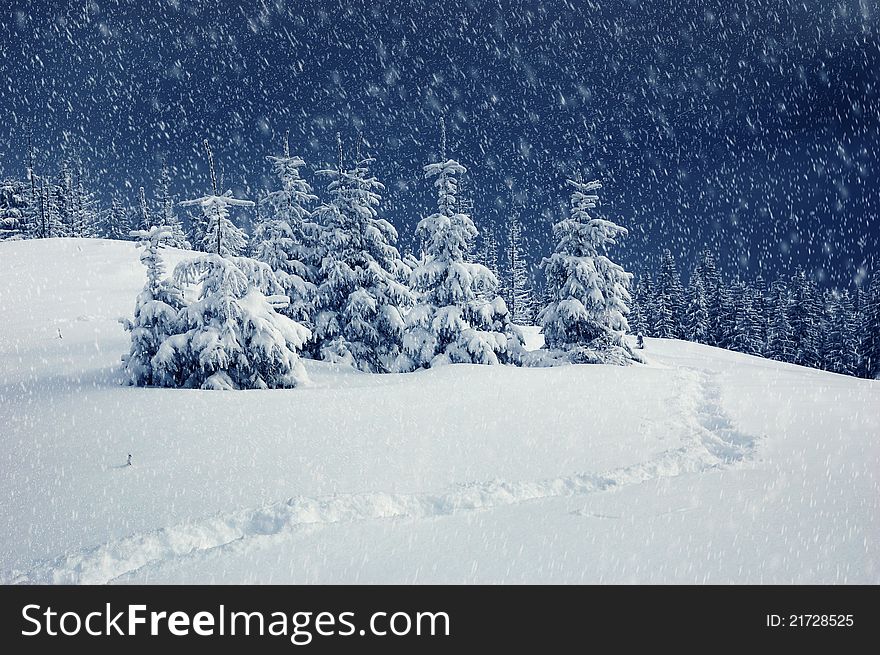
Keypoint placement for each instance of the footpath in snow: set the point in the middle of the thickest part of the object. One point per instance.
(711, 443)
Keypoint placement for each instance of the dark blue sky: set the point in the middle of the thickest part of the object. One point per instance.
(747, 126)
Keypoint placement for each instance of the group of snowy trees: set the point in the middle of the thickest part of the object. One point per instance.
(328, 282)
(65, 205)
(790, 320)
(44, 206)
(232, 335)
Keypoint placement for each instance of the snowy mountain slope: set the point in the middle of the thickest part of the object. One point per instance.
(700, 466)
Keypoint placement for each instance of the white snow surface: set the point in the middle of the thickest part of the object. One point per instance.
(700, 466)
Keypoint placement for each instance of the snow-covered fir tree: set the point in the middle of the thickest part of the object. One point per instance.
(826, 301)
(804, 319)
(708, 272)
(586, 316)
(696, 321)
(745, 333)
(780, 345)
(197, 227)
(519, 300)
(841, 348)
(232, 336)
(49, 210)
(491, 251)
(533, 303)
(286, 238)
(39, 222)
(728, 304)
(411, 263)
(32, 223)
(155, 312)
(669, 299)
(221, 236)
(20, 216)
(54, 227)
(115, 221)
(859, 298)
(358, 311)
(78, 224)
(457, 318)
(735, 317)
(636, 319)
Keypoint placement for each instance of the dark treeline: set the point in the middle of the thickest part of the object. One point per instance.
(64, 204)
(788, 319)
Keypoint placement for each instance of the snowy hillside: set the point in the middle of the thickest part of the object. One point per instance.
(701, 466)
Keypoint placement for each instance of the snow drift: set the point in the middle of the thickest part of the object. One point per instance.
(699, 466)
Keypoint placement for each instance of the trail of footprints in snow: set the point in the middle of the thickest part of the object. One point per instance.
(711, 441)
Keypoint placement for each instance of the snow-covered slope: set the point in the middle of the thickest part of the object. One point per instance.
(700, 466)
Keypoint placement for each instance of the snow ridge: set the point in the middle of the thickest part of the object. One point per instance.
(710, 442)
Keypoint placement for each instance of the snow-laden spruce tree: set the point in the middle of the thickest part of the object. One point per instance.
(410, 263)
(287, 240)
(519, 289)
(52, 226)
(221, 235)
(585, 319)
(82, 204)
(708, 273)
(644, 297)
(841, 352)
(780, 345)
(155, 312)
(696, 321)
(115, 221)
(466, 206)
(457, 317)
(746, 332)
(231, 337)
(728, 303)
(636, 318)
(670, 299)
(803, 316)
(360, 301)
